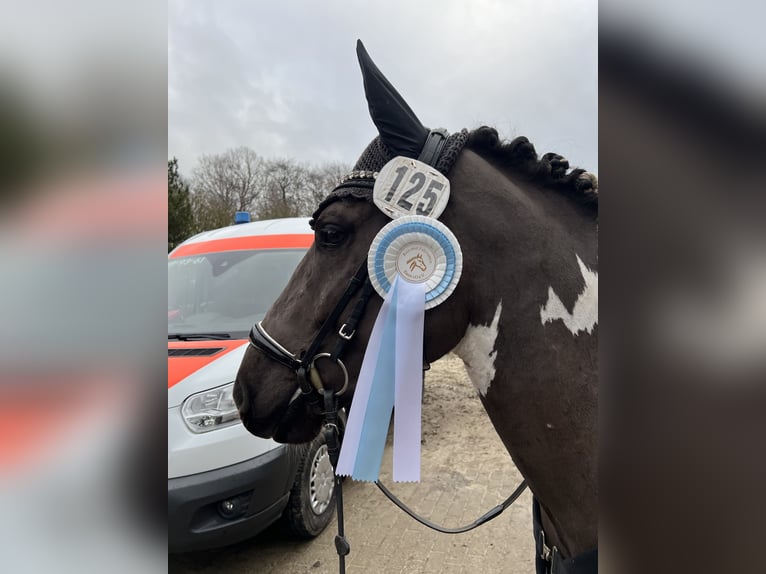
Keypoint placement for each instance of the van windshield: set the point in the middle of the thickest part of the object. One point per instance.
(226, 292)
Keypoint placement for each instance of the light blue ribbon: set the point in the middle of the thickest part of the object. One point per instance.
(391, 374)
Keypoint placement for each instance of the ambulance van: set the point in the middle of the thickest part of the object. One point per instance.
(224, 484)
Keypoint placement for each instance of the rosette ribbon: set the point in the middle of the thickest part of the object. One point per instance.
(390, 378)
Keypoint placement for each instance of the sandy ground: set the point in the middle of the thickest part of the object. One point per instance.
(465, 472)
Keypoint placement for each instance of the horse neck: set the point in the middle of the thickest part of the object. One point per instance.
(530, 346)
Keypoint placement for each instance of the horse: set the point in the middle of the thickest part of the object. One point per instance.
(523, 317)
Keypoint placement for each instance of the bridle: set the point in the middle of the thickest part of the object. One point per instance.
(310, 383)
(311, 386)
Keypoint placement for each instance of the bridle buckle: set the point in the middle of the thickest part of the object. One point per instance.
(546, 552)
(342, 332)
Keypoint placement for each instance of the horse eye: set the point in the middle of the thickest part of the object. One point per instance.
(330, 236)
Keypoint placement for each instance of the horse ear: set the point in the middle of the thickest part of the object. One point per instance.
(398, 126)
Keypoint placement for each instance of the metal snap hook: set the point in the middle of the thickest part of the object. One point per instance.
(340, 364)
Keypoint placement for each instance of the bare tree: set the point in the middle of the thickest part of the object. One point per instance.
(239, 180)
(225, 183)
(322, 179)
(210, 212)
(284, 191)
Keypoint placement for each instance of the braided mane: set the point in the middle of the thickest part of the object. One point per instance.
(550, 170)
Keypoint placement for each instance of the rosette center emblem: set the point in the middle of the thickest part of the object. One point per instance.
(416, 263)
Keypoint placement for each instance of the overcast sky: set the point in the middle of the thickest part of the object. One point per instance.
(283, 78)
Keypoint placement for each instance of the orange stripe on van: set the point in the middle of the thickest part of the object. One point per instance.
(286, 241)
(181, 367)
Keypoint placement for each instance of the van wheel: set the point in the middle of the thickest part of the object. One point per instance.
(312, 497)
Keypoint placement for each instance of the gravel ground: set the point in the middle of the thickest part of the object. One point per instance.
(465, 472)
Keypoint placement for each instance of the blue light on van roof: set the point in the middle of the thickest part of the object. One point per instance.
(241, 217)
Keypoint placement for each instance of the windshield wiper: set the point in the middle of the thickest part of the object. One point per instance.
(198, 336)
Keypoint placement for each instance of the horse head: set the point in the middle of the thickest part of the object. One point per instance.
(344, 225)
(523, 316)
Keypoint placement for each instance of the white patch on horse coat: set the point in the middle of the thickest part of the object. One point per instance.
(584, 314)
(477, 349)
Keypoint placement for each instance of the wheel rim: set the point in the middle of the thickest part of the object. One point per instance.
(321, 481)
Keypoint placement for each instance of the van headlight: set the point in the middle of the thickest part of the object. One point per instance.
(210, 410)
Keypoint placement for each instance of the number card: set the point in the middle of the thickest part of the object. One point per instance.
(406, 186)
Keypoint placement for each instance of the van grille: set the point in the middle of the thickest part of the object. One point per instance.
(202, 352)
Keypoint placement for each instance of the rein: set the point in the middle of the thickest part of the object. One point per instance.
(483, 519)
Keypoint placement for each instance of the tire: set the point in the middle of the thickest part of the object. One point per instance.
(312, 497)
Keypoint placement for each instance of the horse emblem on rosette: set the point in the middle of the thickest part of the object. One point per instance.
(417, 263)
(512, 290)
